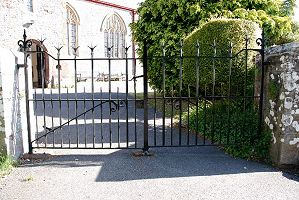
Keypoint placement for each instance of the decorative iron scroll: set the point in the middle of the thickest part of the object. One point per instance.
(24, 44)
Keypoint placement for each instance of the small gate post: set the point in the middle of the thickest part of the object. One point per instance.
(261, 42)
(27, 104)
(24, 45)
(145, 98)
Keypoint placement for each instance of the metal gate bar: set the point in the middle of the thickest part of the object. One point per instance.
(97, 119)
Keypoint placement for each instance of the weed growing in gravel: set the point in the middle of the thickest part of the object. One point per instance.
(28, 178)
(6, 164)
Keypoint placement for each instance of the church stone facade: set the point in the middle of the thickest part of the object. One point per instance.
(70, 24)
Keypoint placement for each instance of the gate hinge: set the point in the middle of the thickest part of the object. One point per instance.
(21, 66)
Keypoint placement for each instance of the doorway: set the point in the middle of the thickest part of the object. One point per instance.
(40, 65)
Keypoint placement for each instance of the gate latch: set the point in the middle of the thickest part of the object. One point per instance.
(135, 77)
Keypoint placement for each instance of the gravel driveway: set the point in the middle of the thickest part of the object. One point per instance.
(171, 173)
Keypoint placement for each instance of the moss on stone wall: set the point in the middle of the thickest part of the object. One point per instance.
(273, 89)
(2, 145)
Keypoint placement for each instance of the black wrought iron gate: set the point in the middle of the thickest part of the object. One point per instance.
(104, 110)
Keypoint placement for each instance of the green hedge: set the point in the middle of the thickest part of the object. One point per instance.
(222, 31)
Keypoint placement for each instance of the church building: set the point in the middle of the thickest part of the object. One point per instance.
(74, 25)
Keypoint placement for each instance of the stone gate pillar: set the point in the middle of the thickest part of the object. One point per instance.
(282, 102)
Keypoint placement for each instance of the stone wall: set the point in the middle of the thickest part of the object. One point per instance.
(282, 102)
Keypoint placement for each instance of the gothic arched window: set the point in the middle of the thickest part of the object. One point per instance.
(114, 35)
(73, 22)
(30, 5)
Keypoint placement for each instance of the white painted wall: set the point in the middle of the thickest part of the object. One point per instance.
(13, 84)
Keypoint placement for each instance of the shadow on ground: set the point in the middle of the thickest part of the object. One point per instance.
(121, 165)
(165, 163)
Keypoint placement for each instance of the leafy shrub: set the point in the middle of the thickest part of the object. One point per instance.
(163, 21)
(229, 123)
(214, 40)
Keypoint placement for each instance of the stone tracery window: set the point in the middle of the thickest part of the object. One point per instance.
(30, 5)
(114, 36)
(73, 22)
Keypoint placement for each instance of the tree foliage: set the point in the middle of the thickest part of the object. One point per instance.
(164, 21)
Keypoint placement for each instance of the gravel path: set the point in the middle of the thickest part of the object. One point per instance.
(171, 173)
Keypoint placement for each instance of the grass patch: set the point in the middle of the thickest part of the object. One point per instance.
(27, 179)
(6, 164)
